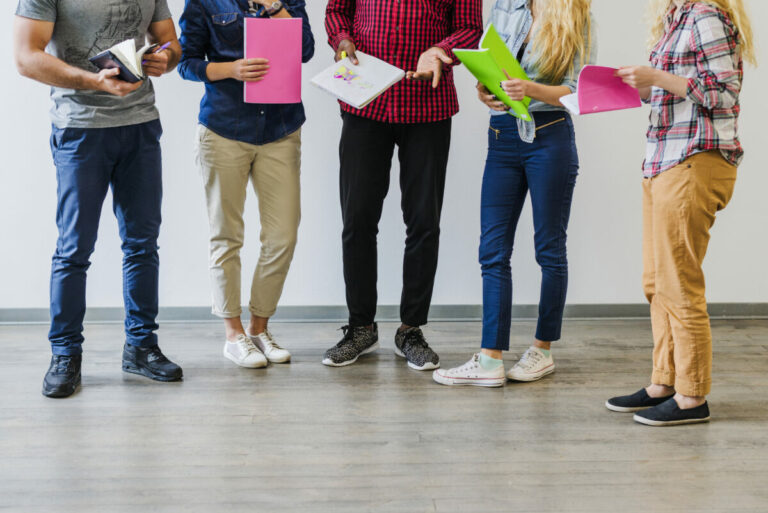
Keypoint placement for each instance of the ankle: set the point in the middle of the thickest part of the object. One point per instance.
(492, 353)
(547, 346)
(257, 325)
(685, 402)
(657, 391)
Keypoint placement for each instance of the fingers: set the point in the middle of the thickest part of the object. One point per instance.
(254, 67)
(438, 73)
(109, 73)
(506, 74)
(251, 62)
(254, 76)
(443, 57)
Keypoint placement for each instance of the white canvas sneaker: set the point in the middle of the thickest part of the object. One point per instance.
(270, 348)
(471, 373)
(533, 365)
(244, 353)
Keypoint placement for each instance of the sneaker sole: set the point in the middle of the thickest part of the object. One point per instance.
(127, 367)
(531, 377)
(623, 409)
(484, 382)
(662, 423)
(259, 365)
(426, 366)
(275, 360)
(60, 394)
(331, 363)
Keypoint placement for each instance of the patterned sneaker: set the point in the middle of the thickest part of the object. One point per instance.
(270, 348)
(411, 345)
(244, 353)
(356, 342)
(471, 373)
(533, 366)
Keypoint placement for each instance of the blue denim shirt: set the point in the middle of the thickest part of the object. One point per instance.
(513, 21)
(212, 31)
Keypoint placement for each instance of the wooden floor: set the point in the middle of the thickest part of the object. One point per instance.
(377, 436)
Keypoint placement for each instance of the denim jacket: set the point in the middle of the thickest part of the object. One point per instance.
(212, 31)
(513, 21)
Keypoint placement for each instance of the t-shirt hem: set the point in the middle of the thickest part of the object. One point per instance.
(73, 123)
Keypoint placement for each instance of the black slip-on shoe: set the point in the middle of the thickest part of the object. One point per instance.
(669, 413)
(63, 376)
(356, 342)
(640, 400)
(150, 362)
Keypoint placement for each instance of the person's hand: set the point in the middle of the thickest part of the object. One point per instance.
(106, 81)
(489, 99)
(349, 48)
(430, 66)
(249, 70)
(155, 64)
(639, 77)
(515, 88)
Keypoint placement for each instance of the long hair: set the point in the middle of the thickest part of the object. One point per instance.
(564, 29)
(733, 8)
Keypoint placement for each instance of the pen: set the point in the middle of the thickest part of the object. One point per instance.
(164, 47)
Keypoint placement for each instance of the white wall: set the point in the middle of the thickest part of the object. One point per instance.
(605, 225)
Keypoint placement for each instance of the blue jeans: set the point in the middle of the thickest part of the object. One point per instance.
(548, 169)
(88, 162)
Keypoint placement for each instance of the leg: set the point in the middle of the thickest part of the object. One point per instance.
(423, 153)
(275, 174)
(686, 200)
(663, 377)
(503, 195)
(551, 170)
(365, 153)
(83, 167)
(225, 166)
(137, 191)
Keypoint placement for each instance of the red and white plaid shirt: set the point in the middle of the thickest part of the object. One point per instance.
(398, 32)
(702, 44)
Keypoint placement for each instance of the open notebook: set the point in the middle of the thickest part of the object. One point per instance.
(125, 57)
(358, 85)
(600, 90)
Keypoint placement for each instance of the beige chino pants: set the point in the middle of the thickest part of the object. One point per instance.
(679, 207)
(274, 171)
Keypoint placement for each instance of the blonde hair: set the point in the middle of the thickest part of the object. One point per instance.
(564, 29)
(733, 8)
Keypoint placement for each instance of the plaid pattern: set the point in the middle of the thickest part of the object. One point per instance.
(700, 43)
(398, 32)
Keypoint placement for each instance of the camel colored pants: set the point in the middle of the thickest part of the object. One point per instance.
(679, 207)
(274, 171)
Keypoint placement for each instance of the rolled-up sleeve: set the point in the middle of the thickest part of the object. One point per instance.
(194, 41)
(571, 80)
(467, 26)
(718, 80)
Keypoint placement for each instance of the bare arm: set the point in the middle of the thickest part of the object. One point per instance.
(159, 63)
(30, 37)
(518, 89)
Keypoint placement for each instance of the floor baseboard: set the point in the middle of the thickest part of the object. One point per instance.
(391, 313)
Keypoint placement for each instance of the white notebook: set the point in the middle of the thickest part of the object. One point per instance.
(358, 85)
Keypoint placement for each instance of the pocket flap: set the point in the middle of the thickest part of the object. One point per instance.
(224, 18)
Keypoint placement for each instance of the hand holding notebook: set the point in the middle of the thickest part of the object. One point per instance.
(600, 90)
(124, 57)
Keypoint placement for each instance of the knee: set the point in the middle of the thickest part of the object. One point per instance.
(140, 250)
(553, 257)
(494, 260)
(74, 252)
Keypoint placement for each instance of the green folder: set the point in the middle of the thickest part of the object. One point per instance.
(488, 64)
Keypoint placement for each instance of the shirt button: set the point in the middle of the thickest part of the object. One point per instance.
(262, 112)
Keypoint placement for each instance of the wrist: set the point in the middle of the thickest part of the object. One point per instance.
(91, 82)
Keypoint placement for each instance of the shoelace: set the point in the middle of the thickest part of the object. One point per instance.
(530, 359)
(245, 345)
(63, 364)
(471, 364)
(270, 341)
(415, 337)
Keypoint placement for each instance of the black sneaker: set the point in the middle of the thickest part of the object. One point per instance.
(669, 413)
(63, 376)
(411, 345)
(150, 362)
(640, 400)
(356, 342)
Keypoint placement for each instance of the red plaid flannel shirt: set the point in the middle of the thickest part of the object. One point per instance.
(398, 32)
(702, 44)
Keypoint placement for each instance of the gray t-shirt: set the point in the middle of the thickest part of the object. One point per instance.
(84, 28)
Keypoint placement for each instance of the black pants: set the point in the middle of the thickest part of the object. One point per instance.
(366, 151)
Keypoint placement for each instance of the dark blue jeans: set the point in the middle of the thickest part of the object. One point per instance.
(88, 162)
(547, 168)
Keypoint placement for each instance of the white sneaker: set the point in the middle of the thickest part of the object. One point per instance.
(270, 348)
(533, 365)
(471, 373)
(244, 353)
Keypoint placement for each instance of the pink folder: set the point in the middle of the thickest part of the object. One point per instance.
(280, 41)
(600, 90)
